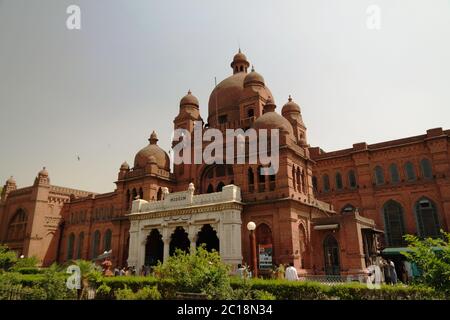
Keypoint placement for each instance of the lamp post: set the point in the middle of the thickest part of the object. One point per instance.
(251, 226)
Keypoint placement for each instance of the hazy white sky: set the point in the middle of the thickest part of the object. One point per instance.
(100, 91)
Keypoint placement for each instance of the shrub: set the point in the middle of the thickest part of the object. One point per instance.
(432, 256)
(197, 272)
(7, 258)
(124, 294)
(148, 293)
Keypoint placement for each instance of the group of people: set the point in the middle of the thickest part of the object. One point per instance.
(289, 273)
(125, 271)
(406, 271)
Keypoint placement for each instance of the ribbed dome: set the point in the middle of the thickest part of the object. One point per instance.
(189, 100)
(152, 154)
(290, 107)
(253, 78)
(272, 120)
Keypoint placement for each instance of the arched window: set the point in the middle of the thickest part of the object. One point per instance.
(18, 226)
(107, 240)
(261, 181)
(293, 178)
(326, 183)
(134, 194)
(141, 193)
(427, 219)
(251, 180)
(425, 166)
(352, 179)
(250, 113)
(410, 172)
(379, 176)
(80, 245)
(393, 171)
(393, 223)
(338, 179)
(299, 181)
(95, 244)
(70, 245)
(272, 182)
(210, 189)
(314, 182)
(220, 186)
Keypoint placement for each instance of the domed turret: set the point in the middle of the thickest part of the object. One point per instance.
(43, 172)
(240, 63)
(253, 78)
(152, 154)
(272, 120)
(42, 177)
(189, 100)
(11, 181)
(125, 166)
(290, 107)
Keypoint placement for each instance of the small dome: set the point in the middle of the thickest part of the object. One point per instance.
(152, 154)
(43, 172)
(125, 166)
(253, 78)
(272, 120)
(189, 100)
(11, 180)
(290, 107)
(239, 57)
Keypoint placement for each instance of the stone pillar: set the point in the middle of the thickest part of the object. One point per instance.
(193, 236)
(166, 241)
(134, 244)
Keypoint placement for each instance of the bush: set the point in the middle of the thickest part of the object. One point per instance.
(166, 287)
(197, 272)
(28, 270)
(7, 258)
(146, 293)
(432, 256)
(299, 290)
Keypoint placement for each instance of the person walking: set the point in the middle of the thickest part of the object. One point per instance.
(291, 273)
(240, 271)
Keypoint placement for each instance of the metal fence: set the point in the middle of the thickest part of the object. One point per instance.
(333, 279)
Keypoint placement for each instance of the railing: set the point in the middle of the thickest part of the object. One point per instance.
(333, 279)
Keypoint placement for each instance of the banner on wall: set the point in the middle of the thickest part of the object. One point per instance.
(265, 256)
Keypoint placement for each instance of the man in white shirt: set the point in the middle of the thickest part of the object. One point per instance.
(291, 273)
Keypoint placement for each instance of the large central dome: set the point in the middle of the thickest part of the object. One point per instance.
(226, 96)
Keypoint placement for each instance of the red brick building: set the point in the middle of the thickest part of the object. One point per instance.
(321, 210)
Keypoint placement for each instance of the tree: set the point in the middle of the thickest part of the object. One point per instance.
(198, 272)
(432, 256)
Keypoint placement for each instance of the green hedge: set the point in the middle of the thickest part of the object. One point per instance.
(300, 290)
(167, 288)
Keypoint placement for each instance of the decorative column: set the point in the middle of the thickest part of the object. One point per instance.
(134, 244)
(193, 236)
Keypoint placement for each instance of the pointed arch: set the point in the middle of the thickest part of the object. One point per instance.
(427, 218)
(394, 224)
(17, 227)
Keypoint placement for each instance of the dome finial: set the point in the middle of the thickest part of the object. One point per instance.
(189, 91)
(153, 138)
(253, 68)
(290, 98)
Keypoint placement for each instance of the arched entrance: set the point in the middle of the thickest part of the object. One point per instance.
(208, 236)
(179, 240)
(154, 248)
(331, 255)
